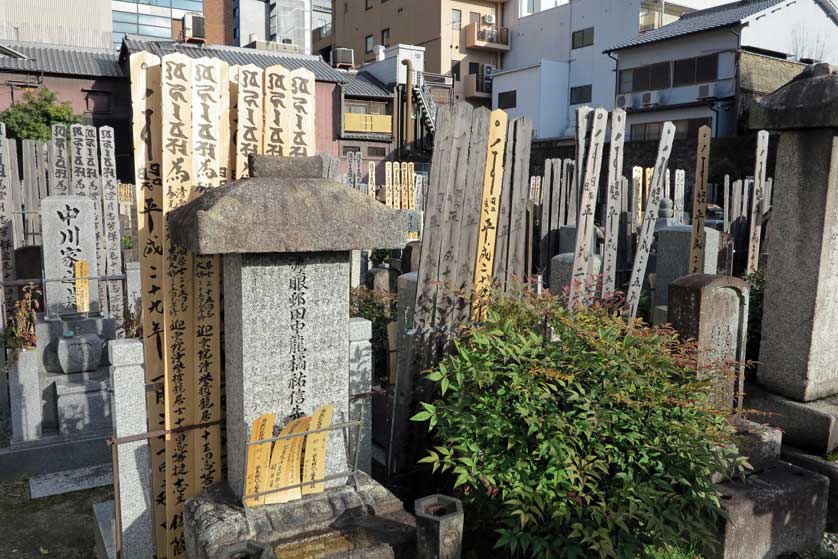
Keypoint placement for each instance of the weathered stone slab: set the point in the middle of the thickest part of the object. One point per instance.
(824, 467)
(25, 397)
(282, 215)
(673, 257)
(84, 406)
(69, 235)
(811, 426)
(69, 481)
(133, 281)
(319, 166)
(561, 272)
(53, 454)
(360, 386)
(780, 510)
(761, 444)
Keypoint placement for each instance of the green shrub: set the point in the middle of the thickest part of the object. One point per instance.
(380, 309)
(578, 434)
(757, 295)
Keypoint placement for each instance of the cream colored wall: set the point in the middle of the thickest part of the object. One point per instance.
(63, 22)
(453, 41)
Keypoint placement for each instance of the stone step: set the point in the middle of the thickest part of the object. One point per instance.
(53, 454)
(68, 481)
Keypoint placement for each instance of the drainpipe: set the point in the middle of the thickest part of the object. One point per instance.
(408, 113)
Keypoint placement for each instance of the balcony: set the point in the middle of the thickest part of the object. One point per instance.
(491, 38)
(357, 123)
(476, 87)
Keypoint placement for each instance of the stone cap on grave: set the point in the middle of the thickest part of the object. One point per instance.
(808, 101)
(285, 215)
(317, 166)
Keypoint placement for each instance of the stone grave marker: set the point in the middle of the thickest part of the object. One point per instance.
(69, 232)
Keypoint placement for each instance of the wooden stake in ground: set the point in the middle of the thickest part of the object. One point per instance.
(388, 184)
(490, 206)
(302, 140)
(250, 117)
(647, 231)
(176, 92)
(680, 188)
(314, 460)
(257, 477)
(614, 202)
(397, 185)
(758, 202)
(702, 170)
(145, 96)
(371, 179)
(727, 204)
(277, 110)
(583, 253)
(208, 84)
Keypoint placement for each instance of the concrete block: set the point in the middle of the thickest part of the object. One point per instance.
(779, 510)
(824, 467)
(759, 443)
(25, 397)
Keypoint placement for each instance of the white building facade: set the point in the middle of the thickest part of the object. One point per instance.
(688, 72)
(286, 22)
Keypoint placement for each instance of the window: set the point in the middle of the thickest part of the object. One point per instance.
(582, 38)
(647, 132)
(368, 43)
(646, 78)
(456, 18)
(532, 6)
(701, 69)
(385, 37)
(98, 102)
(455, 71)
(688, 128)
(473, 17)
(369, 4)
(350, 149)
(581, 94)
(473, 68)
(626, 81)
(377, 151)
(365, 107)
(507, 99)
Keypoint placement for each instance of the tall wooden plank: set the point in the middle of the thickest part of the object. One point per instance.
(176, 92)
(501, 247)
(302, 141)
(583, 117)
(747, 189)
(58, 162)
(647, 231)
(516, 270)
(758, 202)
(7, 248)
(614, 202)
(405, 187)
(30, 188)
(371, 189)
(680, 192)
(490, 205)
(250, 117)
(277, 110)
(145, 97)
(397, 185)
(388, 184)
(411, 186)
(564, 184)
(584, 251)
(727, 205)
(702, 171)
(546, 216)
(210, 79)
(736, 202)
(111, 241)
(17, 197)
(471, 213)
(769, 192)
(434, 215)
(94, 192)
(453, 220)
(233, 119)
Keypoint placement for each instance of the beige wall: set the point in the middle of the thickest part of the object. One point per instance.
(425, 23)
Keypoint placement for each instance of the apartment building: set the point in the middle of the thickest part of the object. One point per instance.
(708, 67)
(288, 23)
(556, 62)
(157, 20)
(462, 39)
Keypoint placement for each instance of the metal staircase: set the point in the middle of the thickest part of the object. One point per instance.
(425, 102)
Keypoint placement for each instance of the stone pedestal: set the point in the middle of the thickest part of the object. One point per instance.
(672, 259)
(561, 271)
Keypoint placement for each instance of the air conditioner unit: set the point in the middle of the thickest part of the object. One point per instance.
(489, 19)
(343, 57)
(650, 98)
(194, 28)
(625, 101)
(707, 91)
(488, 76)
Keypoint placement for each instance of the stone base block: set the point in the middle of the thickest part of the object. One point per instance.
(53, 454)
(48, 332)
(780, 510)
(819, 465)
(759, 443)
(83, 402)
(810, 426)
(367, 522)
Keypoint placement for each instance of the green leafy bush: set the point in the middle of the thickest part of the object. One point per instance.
(32, 119)
(577, 434)
(380, 309)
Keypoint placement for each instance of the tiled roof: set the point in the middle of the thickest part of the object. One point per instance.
(364, 84)
(59, 59)
(237, 55)
(718, 17)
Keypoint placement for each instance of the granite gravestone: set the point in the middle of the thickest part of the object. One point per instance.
(713, 311)
(286, 245)
(69, 233)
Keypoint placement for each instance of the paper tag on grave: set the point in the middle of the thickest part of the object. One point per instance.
(314, 461)
(258, 459)
(286, 462)
(82, 286)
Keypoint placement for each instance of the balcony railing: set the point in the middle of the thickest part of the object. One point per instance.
(322, 32)
(367, 124)
(481, 36)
